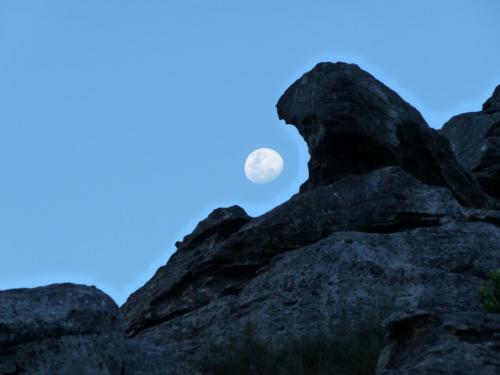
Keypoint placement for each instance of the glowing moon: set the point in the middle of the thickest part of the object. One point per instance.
(263, 165)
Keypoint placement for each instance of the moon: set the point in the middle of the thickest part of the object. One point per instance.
(263, 165)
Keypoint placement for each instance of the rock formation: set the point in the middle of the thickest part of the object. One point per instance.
(388, 221)
(353, 124)
(69, 329)
(475, 139)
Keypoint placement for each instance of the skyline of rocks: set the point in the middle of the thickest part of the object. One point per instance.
(394, 215)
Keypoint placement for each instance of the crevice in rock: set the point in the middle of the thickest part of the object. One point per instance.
(56, 334)
(404, 221)
(474, 336)
(405, 328)
(487, 219)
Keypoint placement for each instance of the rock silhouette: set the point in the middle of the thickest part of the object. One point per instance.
(353, 123)
(392, 219)
(475, 139)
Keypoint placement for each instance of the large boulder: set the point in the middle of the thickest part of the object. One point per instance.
(353, 123)
(70, 329)
(475, 140)
(59, 329)
(423, 343)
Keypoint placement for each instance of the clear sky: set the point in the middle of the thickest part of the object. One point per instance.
(124, 123)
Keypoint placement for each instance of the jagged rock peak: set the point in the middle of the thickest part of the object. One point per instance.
(347, 118)
(221, 222)
(353, 124)
(493, 103)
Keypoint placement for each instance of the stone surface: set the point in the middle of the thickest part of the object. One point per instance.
(59, 329)
(475, 140)
(384, 200)
(493, 103)
(352, 124)
(340, 279)
(460, 343)
(388, 222)
(70, 329)
(220, 224)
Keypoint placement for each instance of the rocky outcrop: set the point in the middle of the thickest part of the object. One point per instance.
(353, 124)
(69, 329)
(385, 219)
(385, 200)
(460, 343)
(340, 279)
(59, 329)
(219, 225)
(475, 140)
(493, 104)
(388, 222)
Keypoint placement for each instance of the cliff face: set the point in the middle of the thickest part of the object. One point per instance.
(475, 139)
(391, 219)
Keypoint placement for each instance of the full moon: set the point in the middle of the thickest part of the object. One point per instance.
(263, 165)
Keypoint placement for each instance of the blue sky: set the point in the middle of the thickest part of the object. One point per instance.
(124, 123)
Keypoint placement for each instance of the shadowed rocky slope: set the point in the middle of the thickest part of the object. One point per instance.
(389, 222)
(353, 124)
(475, 139)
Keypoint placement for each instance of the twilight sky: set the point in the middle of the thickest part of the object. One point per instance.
(123, 123)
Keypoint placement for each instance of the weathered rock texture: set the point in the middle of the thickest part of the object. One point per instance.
(384, 200)
(454, 343)
(221, 223)
(475, 139)
(69, 329)
(337, 281)
(59, 329)
(353, 123)
(388, 221)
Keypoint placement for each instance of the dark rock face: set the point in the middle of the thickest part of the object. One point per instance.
(385, 200)
(59, 329)
(388, 222)
(475, 140)
(353, 124)
(455, 343)
(220, 224)
(340, 279)
(69, 329)
(493, 104)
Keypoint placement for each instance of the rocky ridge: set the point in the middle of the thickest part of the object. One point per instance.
(395, 217)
